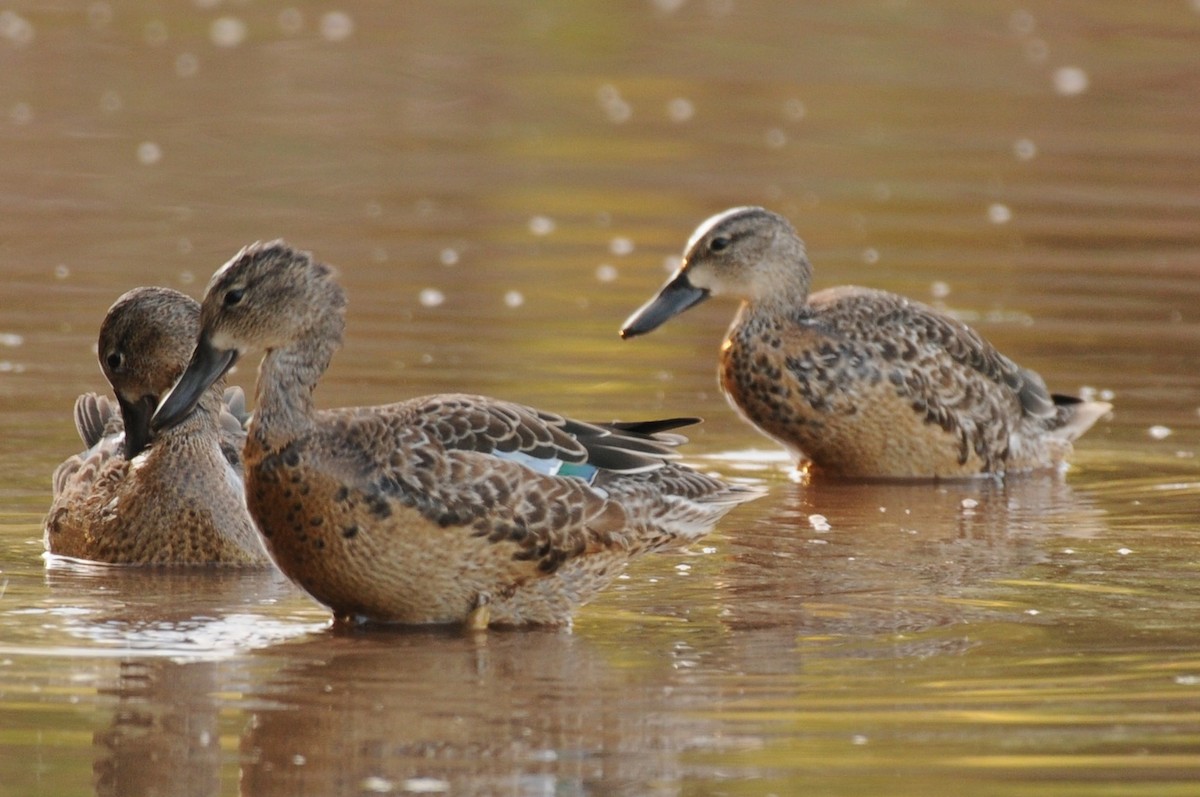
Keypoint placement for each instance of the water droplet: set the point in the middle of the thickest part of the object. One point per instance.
(1124, 551)
(969, 503)
(448, 257)
(425, 785)
(819, 523)
(514, 299)
(858, 739)
(373, 210)
(16, 28)
(607, 273)
(939, 289)
(110, 101)
(1024, 149)
(227, 31)
(299, 760)
(776, 138)
(1021, 22)
(680, 110)
(999, 213)
(619, 112)
(291, 21)
(11, 339)
(1070, 80)
(541, 225)
(614, 106)
(1159, 432)
(376, 785)
(431, 297)
(155, 33)
(61, 272)
(720, 8)
(795, 110)
(186, 65)
(870, 256)
(620, 246)
(21, 114)
(1037, 51)
(100, 15)
(336, 26)
(149, 153)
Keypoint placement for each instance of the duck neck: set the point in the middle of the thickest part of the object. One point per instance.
(785, 292)
(204, 419)
(286, 380)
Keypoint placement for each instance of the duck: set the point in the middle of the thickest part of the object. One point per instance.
(855, 382)
(133, 497)
(448, 509)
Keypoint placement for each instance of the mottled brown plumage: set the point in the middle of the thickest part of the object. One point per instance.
(135, 498)
(859, 382)
(428, 510)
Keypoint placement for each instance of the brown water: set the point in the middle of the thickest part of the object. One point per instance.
(500, 185)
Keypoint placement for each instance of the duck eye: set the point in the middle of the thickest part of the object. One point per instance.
(718, 244)
(114, 360)
(234, 296)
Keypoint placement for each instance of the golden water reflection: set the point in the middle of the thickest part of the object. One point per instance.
(500, 185)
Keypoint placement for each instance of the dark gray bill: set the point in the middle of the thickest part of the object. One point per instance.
(135, 417)
(207, 366)
(672, 299)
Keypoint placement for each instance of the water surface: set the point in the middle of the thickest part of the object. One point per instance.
(500, 185)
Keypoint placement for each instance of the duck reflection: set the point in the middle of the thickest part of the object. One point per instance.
(850, 560)
(530, 713)
(164, 736)
(180, 633)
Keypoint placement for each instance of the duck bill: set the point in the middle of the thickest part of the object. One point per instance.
(672, 299)
(208, 364)
(135, 417)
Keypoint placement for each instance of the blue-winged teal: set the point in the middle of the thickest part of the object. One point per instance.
(857, 382)
(443, 509)
(174, 498)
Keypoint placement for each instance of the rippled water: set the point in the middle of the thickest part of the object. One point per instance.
(500, 184)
